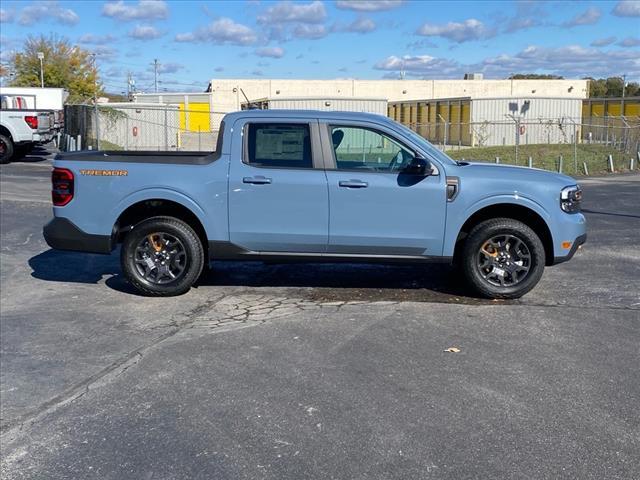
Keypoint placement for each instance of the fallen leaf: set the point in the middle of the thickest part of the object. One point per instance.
(452, 350)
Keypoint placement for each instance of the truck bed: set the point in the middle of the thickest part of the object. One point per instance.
(141, 156)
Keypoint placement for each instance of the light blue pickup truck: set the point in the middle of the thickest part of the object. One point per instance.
(314, 186)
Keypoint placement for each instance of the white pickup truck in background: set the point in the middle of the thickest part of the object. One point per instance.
(41, 99)
(21, 129)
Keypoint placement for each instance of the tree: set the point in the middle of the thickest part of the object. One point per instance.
(534, 76)
(66, 66)
(611, 87)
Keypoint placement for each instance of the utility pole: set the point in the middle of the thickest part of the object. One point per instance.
(155, 73)
(41, 58)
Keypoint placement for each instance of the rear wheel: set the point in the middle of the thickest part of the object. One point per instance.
(6, 149)
(162, 256)
(503, 258)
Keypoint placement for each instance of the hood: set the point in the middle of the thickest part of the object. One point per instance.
(496, 171)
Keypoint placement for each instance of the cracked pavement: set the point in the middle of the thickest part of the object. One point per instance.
(317, 371)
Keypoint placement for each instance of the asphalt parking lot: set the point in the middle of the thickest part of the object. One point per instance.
(317, 371)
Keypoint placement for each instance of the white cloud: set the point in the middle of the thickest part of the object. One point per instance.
(44, 11)
(222, 31)
(630, 42)
(6, 16)
(92, 39)
(468, 30)
(603, 42)
(170, 67)
(522, 23)
(290, 12)
(568, 61)
(368, 5)
(311, 32)
(271, 52)
(627, 8)
(589, 17)
(419, 65)
(147, 10)
(362, 25)
(571, 61)
(145, 32)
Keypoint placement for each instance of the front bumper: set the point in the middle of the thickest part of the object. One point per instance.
(62, 234)
(574, 248)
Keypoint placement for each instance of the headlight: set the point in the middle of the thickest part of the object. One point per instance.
(570, 199)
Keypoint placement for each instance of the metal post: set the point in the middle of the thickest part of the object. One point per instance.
(126, 132)
(611, 163)
(79, 140)
(166, 130)
(517, 138)
(497, 159)
(95, 100)
(631, 163)
(586, 170)
(575, 148)
(530, 162)
(41, 58)
(560, 164)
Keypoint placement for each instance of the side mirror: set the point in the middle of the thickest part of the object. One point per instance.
(418, 166)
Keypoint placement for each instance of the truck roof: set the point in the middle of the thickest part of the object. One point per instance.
(340, 115)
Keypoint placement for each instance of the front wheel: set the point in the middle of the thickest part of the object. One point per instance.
(162, 257)
(503, 258)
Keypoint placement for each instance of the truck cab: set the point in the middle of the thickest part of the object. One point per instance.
(314, 186)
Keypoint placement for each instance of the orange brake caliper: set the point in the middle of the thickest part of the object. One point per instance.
(154, 243)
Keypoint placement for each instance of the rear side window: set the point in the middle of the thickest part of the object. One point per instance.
(279, 145)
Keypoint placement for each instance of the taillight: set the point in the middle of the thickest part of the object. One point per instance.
(31, 121)
(61, 186)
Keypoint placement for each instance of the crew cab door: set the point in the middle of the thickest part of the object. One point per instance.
(375, 208)
(278, 199)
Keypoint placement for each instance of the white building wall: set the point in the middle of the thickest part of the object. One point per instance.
(545, 120)
(370, 105)
(224, 98)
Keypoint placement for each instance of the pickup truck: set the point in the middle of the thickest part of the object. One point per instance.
(314, 186)
(21, 129)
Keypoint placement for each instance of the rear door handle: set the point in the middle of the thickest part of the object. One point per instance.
(259, 180)
(353, 184)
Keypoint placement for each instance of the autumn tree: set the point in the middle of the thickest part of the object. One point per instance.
(64, 65)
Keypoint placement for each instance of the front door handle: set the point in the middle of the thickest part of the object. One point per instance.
(259, 180)
(353, 184)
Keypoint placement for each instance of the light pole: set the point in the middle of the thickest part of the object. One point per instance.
(41, 58)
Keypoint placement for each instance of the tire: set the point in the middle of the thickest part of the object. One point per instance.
(480, 255)
(7, 149)
(145, 239)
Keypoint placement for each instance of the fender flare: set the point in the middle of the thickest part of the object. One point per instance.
(156, 193)
(501, 199)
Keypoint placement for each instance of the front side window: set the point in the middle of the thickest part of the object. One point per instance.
(279, 145)
(358, 148)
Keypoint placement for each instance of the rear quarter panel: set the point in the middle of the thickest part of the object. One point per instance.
(100, 199)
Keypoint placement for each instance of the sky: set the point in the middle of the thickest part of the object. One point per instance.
(195, 41)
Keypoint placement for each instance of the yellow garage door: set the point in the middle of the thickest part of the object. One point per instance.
(199, 118)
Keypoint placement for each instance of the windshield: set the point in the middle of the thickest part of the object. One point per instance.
(422, 143)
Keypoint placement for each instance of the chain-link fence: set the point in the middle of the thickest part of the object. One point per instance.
(572, 145)
(133, 126)
(584, 145)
